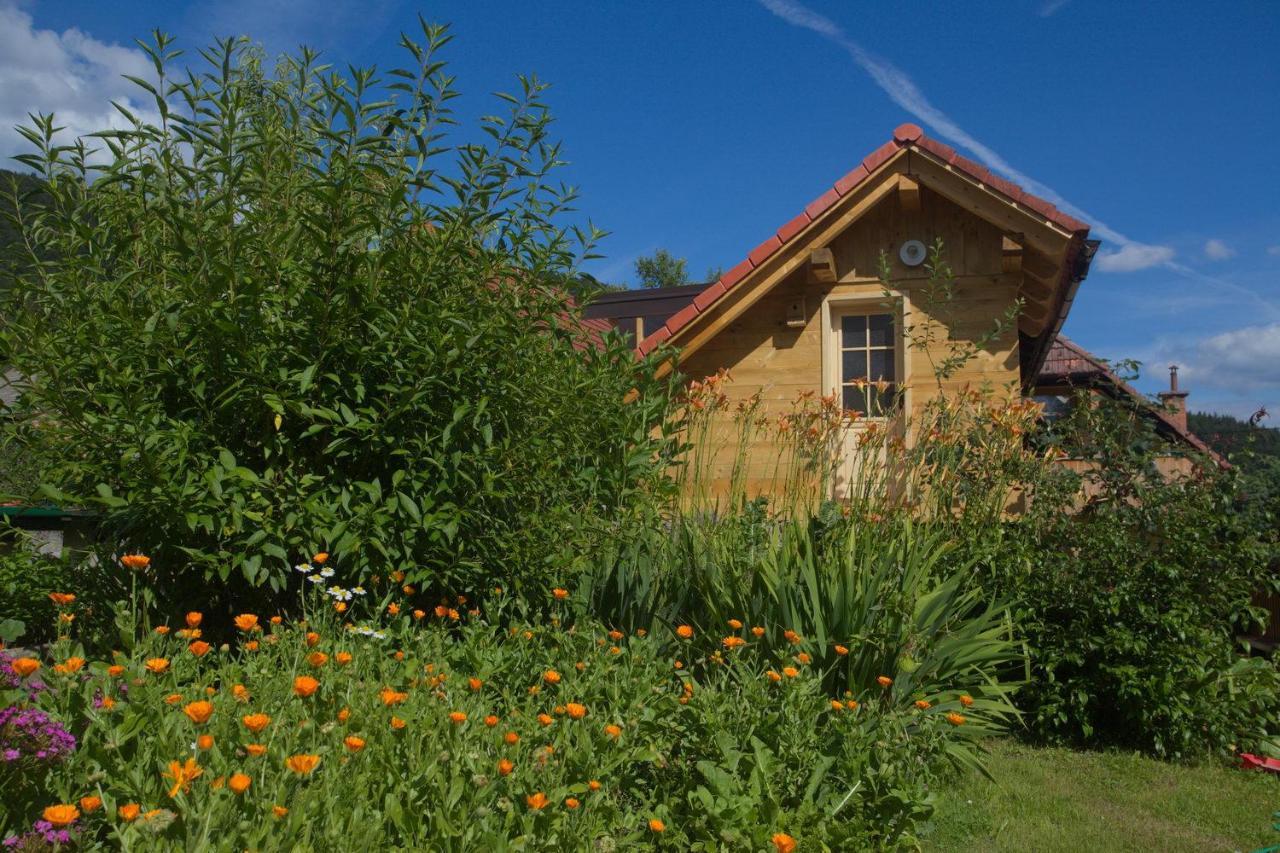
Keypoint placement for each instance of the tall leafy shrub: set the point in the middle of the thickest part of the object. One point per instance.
(289, 312)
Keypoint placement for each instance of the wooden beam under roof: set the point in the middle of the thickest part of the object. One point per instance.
(822, 266)
(909, 193)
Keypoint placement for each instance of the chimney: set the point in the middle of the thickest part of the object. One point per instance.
(1175, 401)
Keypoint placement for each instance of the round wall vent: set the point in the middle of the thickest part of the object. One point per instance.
(913, 253)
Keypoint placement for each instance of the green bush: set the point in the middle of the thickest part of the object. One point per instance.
(1132, 599)
(283, 320)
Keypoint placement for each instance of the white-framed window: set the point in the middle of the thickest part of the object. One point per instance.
(868, 349)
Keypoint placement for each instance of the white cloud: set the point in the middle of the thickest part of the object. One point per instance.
(70, 74)
(1216, 250)
(1133, 257)
(1243, 362)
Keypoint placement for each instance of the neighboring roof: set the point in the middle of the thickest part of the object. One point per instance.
(907, 136)
(1067, 363)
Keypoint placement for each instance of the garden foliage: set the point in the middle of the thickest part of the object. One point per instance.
(293, 312)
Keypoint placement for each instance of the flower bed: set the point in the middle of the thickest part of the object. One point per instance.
(464, 726)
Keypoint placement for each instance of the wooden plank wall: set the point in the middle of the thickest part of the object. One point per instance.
(762, 353)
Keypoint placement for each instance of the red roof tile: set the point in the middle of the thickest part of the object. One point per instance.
(904, 136)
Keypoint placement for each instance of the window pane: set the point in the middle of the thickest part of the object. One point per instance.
(881, 365)
(855, 398)
(881, 326)
(854, 365)
(853, 331)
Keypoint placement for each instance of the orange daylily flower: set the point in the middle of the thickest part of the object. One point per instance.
(182, 775)
(305, 685)
(255, 722)
(303, 765)
(135, 561)
(353, 743)
(239, 783)
(158, 666)
(199, 712)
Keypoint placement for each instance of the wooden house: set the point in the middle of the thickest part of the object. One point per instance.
(825, 303)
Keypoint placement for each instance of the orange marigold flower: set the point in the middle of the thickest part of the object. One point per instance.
(255, 722)
(305, 685)
(733, 642)
(804, 658)
(792, 637)
(474, 684)
(392, 697)
(61, 599)
(491, 721)
(344, 715)
(576, 711)
(790, 671)
(279, 811)
(135, 561)
(61, 815)
(303, 765)
(616, 635)
(240, 692)
(837, 705)
(735, 624)
(656, 825)
(340, 607)
(158, 666)
(545, 719)
(842, 650)
(614, 650)
(182, 775)
(685, 632)
(511, 738)
(252, 645)
(320, 558)
(757, 631)
(551, 677)
(343, 658)
(205, 742)
(397, 723)
(884, 680)
(162, 629)
(70, 665)
(923, 704)
(199, 712)
(246, 622)
(537, 801)
(129, 812)
(199, 648)
(276, 620)
(966, 700)
(613, 731)
(851, 704)
(560, 593)
(393, 609)
(173, 698)
(90, 803)
(571, 802)
(505, 766)
(457, 717)
(317, 659)
(773, 675)
(115, 670)
(593, 785)
(783, 843)
(194, 618)
(419, 614)
(239, 783)
(108, 703)
(353, 743)
(257, 750)
(24, 666)
(955, 719)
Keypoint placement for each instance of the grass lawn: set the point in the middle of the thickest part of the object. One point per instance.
(1059, 799)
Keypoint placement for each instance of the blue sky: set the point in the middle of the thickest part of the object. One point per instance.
(701, 127)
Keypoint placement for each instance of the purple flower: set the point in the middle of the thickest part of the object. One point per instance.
(27, 733)
(42, 835)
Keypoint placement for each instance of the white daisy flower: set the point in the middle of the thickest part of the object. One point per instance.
(302, 567)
